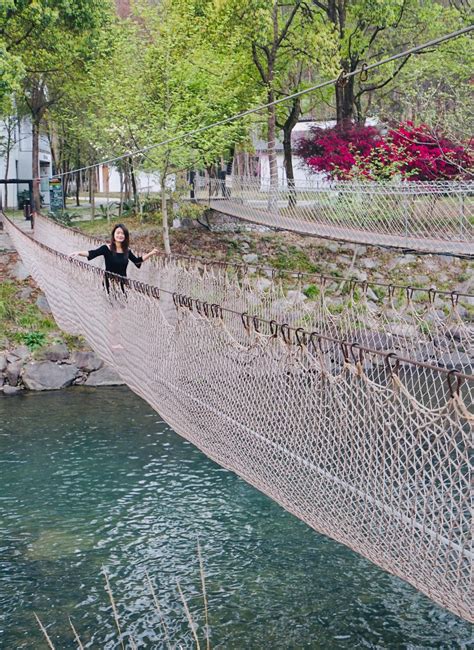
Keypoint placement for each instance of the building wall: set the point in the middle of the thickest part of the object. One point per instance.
(109, 181)
(20, 163)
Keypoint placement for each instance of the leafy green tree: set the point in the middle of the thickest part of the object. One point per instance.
(263, 31)
(176, 93)
(368, 29)
(55, 41)
(285, 46)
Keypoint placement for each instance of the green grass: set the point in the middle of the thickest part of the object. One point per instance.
(312, 291)
(21, 321)
(294, 259)
(15, 214)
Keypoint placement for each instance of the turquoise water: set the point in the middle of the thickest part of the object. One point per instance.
(93, 478)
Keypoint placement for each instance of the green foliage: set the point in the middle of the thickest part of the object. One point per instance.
(33, 340)
(63, 217)
(188, 210)
(108, 211)
(7, 304)
(294, 259)
(18, 318)
(312, 291)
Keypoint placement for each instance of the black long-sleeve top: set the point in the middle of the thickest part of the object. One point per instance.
(115, 262)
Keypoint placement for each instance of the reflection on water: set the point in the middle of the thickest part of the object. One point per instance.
(93, 478)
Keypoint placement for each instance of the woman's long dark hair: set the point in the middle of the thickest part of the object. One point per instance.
(126, 241)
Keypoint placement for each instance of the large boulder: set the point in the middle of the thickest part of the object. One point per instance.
(3, 362)
(404, 330)
(13, 372)
(106, 376)
(11, 390)
(43, 304)
(250, 258)
(295, 296)
(369, 263)
(47, 375)
(374, 340)
(24, 293)
(262, 284)
(87, 361)
(19, 272)
(55, 352)
(22, 352)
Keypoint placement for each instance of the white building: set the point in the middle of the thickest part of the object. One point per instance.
(20, 163)
(109, 180)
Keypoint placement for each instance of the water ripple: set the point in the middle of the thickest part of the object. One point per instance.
(92, 479)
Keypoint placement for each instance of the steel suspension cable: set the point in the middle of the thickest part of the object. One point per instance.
(341, 79)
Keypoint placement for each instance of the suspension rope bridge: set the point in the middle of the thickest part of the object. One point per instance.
(431, 217)
(357, 419)
(364, 441)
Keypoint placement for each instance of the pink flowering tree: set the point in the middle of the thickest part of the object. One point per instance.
(406, 152)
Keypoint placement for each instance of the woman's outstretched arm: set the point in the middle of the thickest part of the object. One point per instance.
(155, 251)
(139, 260)
(96, 252)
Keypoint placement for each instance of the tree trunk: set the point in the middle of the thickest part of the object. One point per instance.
(290, 175)
(78, 188)
(121, 195)
(288, 127)
(35, 124)
(164, 216)
(92, 190)
(8, 147)
(272, 159)
(345, 102)
(134, 182)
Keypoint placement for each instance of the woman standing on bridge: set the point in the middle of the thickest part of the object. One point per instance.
(116, 254)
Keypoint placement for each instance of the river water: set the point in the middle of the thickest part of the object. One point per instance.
(94, 479)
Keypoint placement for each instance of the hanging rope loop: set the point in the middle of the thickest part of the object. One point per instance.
(286, 332)
(393, 368)
(360, 356)
(364, 73)
(344, 345)
(301, 336)
(274, 328)
(245, 321)
(454, 383)
(342, 79)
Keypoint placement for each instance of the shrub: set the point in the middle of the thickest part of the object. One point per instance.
(408, 152)
(429, 155)
(334, 150)
(33, 340)
(63, 217)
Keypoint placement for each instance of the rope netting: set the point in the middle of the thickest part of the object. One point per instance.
(422, 324)
(372, 450)
(425, 216)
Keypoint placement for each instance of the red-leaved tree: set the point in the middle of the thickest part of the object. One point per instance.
(408, 152)
(430, 155)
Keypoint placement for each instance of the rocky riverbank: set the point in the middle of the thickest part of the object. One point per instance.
(52, 368)
(34, 354)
